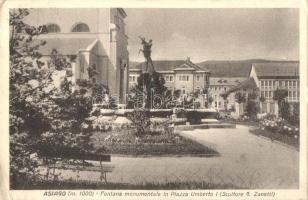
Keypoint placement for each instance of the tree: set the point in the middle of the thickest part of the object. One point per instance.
(225, 98)
(283, 107)
(240, 98)
(210, 99)
(252, 107)
(26, 84)
(262, 100)
(44, 119)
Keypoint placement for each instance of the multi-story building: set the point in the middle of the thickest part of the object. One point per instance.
(224, 76)
(181, 75)
(218, 87)
(94, 37)
(276, 75)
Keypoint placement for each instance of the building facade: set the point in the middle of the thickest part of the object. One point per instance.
(277, 75)
(181, 75)
(95, 38)
(224, 76)
(219, 86)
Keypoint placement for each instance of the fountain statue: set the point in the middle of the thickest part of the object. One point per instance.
(147, 54)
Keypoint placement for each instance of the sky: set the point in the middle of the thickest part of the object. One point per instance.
(214, 33)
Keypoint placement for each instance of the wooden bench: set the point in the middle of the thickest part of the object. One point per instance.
(84, 166)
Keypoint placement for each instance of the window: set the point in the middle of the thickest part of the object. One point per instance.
(169, 78)
(280, 83)
(289, 94)
(294, 94)
(266, 83)
(132, 79)
(270, 83)
(270, 94)
(262, 83)
(184, 78)
(266, 94)
(53, 28)
(198, 78)
(81, 27)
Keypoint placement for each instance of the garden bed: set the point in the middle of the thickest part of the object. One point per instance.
(125, 142)
(275, 136)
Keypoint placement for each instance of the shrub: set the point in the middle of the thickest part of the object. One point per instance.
(141, 121)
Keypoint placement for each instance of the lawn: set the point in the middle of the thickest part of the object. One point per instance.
(287, 139)
(125, 142)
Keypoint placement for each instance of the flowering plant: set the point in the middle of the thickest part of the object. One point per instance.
(277, 124)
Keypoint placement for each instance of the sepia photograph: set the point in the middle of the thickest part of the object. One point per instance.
(124, 98)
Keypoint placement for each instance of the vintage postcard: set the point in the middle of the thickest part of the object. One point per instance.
(153, 100)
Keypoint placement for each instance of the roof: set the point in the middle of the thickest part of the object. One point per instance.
(65, 46)
(216, 81)
(170, 65)
(247, 84)
(239, 68)
(227, 68)
(278, 69)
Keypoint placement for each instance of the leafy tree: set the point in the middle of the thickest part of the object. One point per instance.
(26, 84)
(252, 107)
(44, 119)
(283, 107)
(210, 99)
(240, 97)
(225, 98)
